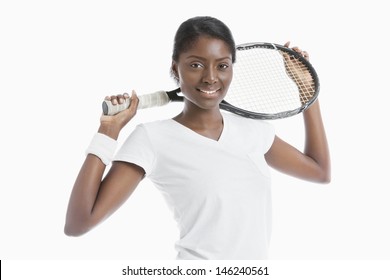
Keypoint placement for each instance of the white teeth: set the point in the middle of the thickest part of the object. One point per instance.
(208, 92)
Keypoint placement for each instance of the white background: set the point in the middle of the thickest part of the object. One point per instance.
(58, 59)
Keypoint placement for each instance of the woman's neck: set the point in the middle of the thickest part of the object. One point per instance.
(208, 123)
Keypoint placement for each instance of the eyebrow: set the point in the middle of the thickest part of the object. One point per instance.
(202, 58)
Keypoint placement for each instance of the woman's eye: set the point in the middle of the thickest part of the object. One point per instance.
(223, 66)
(196, 65)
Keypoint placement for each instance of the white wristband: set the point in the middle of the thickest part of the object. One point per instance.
(103, 147)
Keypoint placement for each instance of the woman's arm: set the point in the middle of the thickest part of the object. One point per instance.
(314, 163)
(93, 199)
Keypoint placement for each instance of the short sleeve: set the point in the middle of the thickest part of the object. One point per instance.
(137, 149)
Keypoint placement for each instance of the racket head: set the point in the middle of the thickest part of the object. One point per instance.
(270, 81)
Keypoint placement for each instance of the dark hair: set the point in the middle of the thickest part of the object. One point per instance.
(190, 30)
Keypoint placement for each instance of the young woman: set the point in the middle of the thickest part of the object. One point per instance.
(217, 179)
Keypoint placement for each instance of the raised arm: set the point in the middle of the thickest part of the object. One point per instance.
(313, 163)
(93, 198)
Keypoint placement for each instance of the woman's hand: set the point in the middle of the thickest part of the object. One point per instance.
(301, 76)
(112, 125)
(298, 50)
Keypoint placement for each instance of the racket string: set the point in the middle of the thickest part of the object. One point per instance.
(268, 83)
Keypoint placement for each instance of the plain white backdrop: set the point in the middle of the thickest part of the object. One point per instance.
(58, 59)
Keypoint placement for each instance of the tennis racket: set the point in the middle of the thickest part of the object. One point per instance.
(270, 81)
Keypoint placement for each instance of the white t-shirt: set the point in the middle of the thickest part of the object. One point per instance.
(219, 191)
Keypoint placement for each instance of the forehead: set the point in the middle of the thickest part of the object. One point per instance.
(206, 46)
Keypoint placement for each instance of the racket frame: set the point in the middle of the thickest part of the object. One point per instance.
(265, 116)
(174, 97)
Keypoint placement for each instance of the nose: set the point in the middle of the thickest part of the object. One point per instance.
(210, 75)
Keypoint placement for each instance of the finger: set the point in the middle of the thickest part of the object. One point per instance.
(121, 98)
(134, 101)
(114, 100)
(301, 52)
(297, 49)
(287, 44)
(117, 99)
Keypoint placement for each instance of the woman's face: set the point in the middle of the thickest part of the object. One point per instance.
(205, 72)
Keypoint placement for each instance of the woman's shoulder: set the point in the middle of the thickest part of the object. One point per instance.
(156, 126)
(156, 123)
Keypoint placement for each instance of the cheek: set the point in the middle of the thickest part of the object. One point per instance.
(226, 79)
(188, 78)
(229, 77)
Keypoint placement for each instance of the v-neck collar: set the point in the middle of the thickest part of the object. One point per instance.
(193, 133)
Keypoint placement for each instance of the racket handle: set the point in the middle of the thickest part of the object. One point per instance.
(156, 99)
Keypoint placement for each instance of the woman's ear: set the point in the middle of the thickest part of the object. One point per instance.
(174, 73)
